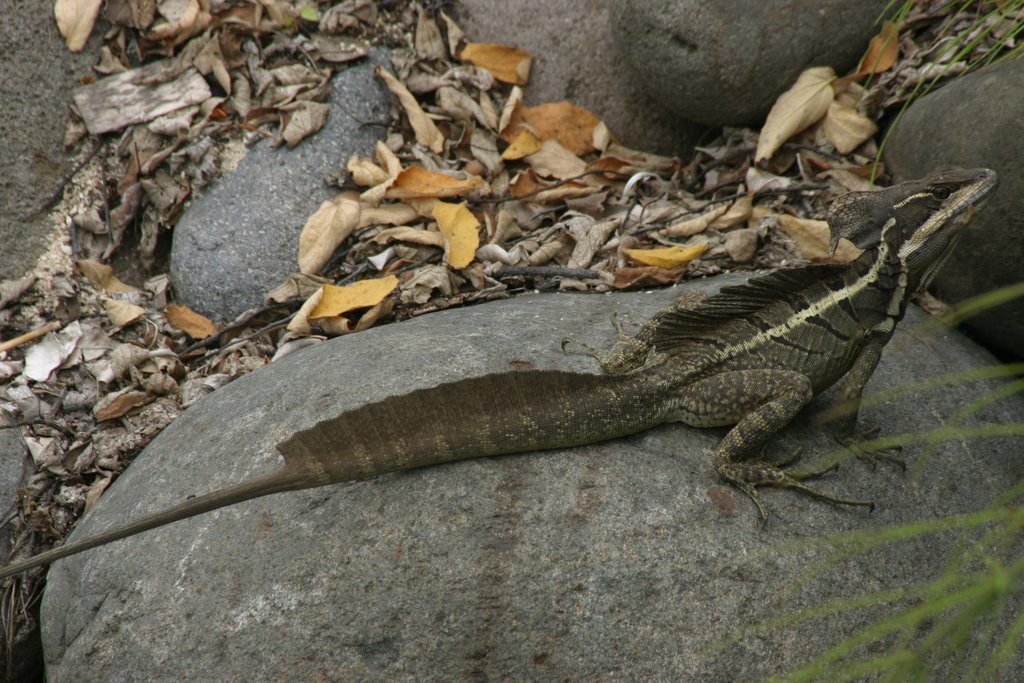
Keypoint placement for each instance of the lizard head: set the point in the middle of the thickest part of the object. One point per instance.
(941, 202)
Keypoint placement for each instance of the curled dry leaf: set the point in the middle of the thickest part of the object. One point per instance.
(666, 257)
(102, 275)
(426, 132)
(846, 129)
(739, 212)
(417, 182)
(506, 62)
(122, 313)
(461, 231)
(553, 160)
(328, 227)
(296, 285)
(812, 239)
(691, 226)
(75, 19)
(302, 119)
(193, 324)
(799, 107)
(405, 233)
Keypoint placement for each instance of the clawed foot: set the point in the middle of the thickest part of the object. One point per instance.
(748, 476)
(854, 441)
(628, 353)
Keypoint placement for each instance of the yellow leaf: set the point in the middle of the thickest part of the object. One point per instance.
(363, 294)
(426, 132)
(846, 129)
(102, 275)
(525, 144)
(461, 230)
(506, 62)
(328, 227)
(188, 321)
(75, 19)
(799, 107)
(417, 182)
(666, 257)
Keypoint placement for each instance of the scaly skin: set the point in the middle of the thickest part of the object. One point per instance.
(751, 356)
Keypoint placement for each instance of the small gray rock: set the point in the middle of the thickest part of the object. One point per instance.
(625, 560)
(724, 63)
(975, 121)
(239, 239)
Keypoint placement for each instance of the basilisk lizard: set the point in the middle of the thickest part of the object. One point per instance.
(750, 356)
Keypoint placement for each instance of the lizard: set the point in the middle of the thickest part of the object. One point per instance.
(750, 356)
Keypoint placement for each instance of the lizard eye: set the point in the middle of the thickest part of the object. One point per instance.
(941, 193)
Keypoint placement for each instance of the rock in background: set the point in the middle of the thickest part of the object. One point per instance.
(576, 59)
(976, 120)
(623, 560)
(724, 63)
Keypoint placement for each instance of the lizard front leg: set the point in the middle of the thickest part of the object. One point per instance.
(759, 403)
(631, 351)
(844, 427)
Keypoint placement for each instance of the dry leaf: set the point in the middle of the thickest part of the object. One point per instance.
(426, 132)
(328, 227)
(508, 63)
(417, 182)
(389, 214)
(461, 231)
(525, 144)
(188, 321)
(812, 238)
(882, 52)
(366, 173)
(573, 127)
(738, 213)
(122, 313)
(553, 160)
(336, 301)
(302, 119)
(799, 107)
(406, 234)
(666, 257)
(646, 276)
(102, 275)
(75, 19)
(113, 406)
(692, 226)
(296, 285)
(846, 129)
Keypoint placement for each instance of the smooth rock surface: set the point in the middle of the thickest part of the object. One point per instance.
(37, 74)
(575, 59)
(239, 239)
(724, 63)
(974, 121)
(625, 560)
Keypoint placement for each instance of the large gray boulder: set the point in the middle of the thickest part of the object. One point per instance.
(240, 238)
(575, 59)
(625, 560)
(724, 63)
(975, 121)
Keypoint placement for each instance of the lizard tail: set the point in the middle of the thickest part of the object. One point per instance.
(510, 412)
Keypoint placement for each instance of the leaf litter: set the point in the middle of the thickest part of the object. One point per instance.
(471, 196)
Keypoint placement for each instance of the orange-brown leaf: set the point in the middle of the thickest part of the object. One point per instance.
(572, 126)
(506, 62)
(883, 51)
(417, 182)
(188, 321)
